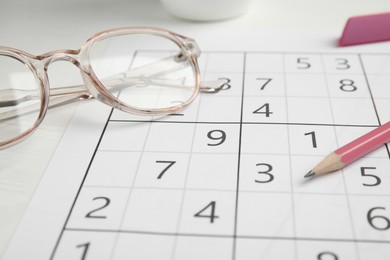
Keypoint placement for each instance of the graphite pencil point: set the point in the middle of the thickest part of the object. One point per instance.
(309, 174)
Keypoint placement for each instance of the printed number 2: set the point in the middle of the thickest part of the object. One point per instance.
(92, 214)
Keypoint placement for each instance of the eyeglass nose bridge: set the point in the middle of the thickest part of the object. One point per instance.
(74, 57)
(46, 59)
(92, 88)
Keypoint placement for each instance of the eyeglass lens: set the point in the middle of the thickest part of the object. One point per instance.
(18, 93)
(143, 71)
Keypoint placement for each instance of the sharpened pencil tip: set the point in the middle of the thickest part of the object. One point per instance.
(309, 174)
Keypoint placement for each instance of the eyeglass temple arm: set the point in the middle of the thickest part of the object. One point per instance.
(76, 92)
(142, 75)
(68, 94)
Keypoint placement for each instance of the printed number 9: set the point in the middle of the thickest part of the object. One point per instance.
(218, 136)
(327, 255)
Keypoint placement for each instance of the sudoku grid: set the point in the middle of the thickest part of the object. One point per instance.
(223, 179)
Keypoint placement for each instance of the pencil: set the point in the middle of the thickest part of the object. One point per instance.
(352, 151)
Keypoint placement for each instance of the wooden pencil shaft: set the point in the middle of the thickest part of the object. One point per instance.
(330, 163)
(365, 144)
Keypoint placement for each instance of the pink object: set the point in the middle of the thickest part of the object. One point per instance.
(364, 144)
(366, 29)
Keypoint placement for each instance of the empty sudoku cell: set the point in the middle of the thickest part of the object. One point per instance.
(265, 109)
(380, 85)
(264, 249)
(225, 62)
(162, 170)
(326, 250)
(322, 216)
(113, 168)
(144, 246)
(303, 63)
(377, 251)
(383, 108)
(371, 217)
(328, 183)
(208, 212)
(232, 86)
(264, 84)
(345, 86)
(376, 64)
(152, 210)
(85, 245)
(195, 248)
(262, 172)
(309, 110)
(342, 64)
(216, 138)
(311, 139)
(265, 215)
(264, 62)
(264, 139)
(125, 136)
(219, 109)
(170, 137)
(98, 208)
(306, 85)
(368, 176)
(213, 171)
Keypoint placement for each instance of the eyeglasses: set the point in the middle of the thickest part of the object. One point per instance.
(139, 70)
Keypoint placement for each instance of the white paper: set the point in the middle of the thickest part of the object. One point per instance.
(224, 180)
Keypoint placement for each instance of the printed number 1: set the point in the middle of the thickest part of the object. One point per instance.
(85, 246)
(313, 138)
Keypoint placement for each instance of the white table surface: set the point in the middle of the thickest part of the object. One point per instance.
(39, 26)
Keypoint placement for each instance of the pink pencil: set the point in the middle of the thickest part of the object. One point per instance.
(352, 151)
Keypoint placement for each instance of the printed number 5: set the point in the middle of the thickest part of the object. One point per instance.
(303, 63)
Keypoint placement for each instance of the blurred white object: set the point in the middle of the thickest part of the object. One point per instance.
(206, 10)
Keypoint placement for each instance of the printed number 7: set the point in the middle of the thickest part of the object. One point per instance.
(264, 81)
(170, 163)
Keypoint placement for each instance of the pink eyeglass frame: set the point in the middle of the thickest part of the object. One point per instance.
(93, 88)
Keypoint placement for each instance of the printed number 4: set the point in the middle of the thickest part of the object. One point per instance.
(208, 212)
(264, 109)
